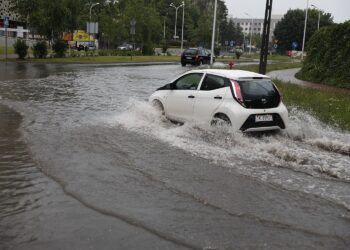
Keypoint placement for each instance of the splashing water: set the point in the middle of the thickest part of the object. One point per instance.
(307, 155)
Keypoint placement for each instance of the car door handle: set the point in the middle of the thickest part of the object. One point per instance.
(217, 97)
(191, 96)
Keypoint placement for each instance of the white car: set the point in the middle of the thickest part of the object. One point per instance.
(245, 100)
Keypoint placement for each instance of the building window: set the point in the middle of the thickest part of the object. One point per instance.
(246, 28)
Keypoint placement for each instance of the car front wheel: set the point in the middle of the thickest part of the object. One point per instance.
(158, 106)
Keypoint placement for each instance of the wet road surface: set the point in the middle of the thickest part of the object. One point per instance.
(86, 163)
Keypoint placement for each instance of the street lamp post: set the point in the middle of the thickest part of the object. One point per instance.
(319, 16)
(251, 31)
(213, 35)
(92, 5)
(302, 51)
(183, 21)
(176, 9)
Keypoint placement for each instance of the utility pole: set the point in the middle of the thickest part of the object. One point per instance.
(319, 15)
(213, 35)
(305, 24)
(183, 23)
(265, 38)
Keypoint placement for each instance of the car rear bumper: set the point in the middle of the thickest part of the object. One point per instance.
(245, 119)
(251, 125)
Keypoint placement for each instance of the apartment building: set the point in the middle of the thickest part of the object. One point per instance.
(256, 24)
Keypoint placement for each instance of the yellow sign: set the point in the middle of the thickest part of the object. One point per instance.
(82, 36)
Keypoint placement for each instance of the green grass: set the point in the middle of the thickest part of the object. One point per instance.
(331, 108)
(270, 67)
(269, 57)
(10, 50)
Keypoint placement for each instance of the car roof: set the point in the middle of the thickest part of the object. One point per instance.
(231, 74)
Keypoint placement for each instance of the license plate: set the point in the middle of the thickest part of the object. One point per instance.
(188, 57)
(263, 118)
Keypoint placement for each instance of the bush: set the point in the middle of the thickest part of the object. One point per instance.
(238, 53)
(328, 56)
(59, 47)
(148, 49)
(21, 48)
(40, 49)
(217, 51)
(164, 47)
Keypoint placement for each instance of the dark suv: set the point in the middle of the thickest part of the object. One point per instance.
(195, 56)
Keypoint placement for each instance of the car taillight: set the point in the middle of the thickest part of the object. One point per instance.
(237, 92)
(279, 92)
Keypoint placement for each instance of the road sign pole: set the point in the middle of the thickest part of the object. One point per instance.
(6, 25)
(5, 44)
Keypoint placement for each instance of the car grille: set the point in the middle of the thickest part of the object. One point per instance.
(250, 122)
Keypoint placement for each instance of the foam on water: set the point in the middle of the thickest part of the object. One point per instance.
(307, 156)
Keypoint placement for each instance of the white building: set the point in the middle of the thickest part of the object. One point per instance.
(256, 24)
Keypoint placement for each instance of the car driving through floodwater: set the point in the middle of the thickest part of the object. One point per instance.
(245, 100)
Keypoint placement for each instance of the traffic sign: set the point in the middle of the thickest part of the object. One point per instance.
(132, 26)
(294, 45)
(6, 21)
(275, 45)
(226, 42)
(232, 43)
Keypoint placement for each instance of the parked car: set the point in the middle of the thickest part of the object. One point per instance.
(245, 100)
(125, 46)
(195, 56)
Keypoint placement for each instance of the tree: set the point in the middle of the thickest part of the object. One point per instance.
(291, 28)
(329, 61)
(231, 32)
(51, 18)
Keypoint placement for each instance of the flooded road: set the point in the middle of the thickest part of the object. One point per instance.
(86, 163)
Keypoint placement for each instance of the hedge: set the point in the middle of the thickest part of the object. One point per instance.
(328, 56)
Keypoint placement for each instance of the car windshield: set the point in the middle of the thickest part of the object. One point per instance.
(191, 51)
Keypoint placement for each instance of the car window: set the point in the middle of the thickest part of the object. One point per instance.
(212, 82)
(191, 52)
(189, 81)
(257, 88)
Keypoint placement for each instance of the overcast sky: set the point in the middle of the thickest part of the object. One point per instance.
(340, 9)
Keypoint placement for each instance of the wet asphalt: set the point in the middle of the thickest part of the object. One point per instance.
(86, 163)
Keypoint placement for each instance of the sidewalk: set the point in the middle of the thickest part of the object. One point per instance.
(288, 75)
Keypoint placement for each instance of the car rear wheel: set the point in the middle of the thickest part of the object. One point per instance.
(183, 64)
(220, 120)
